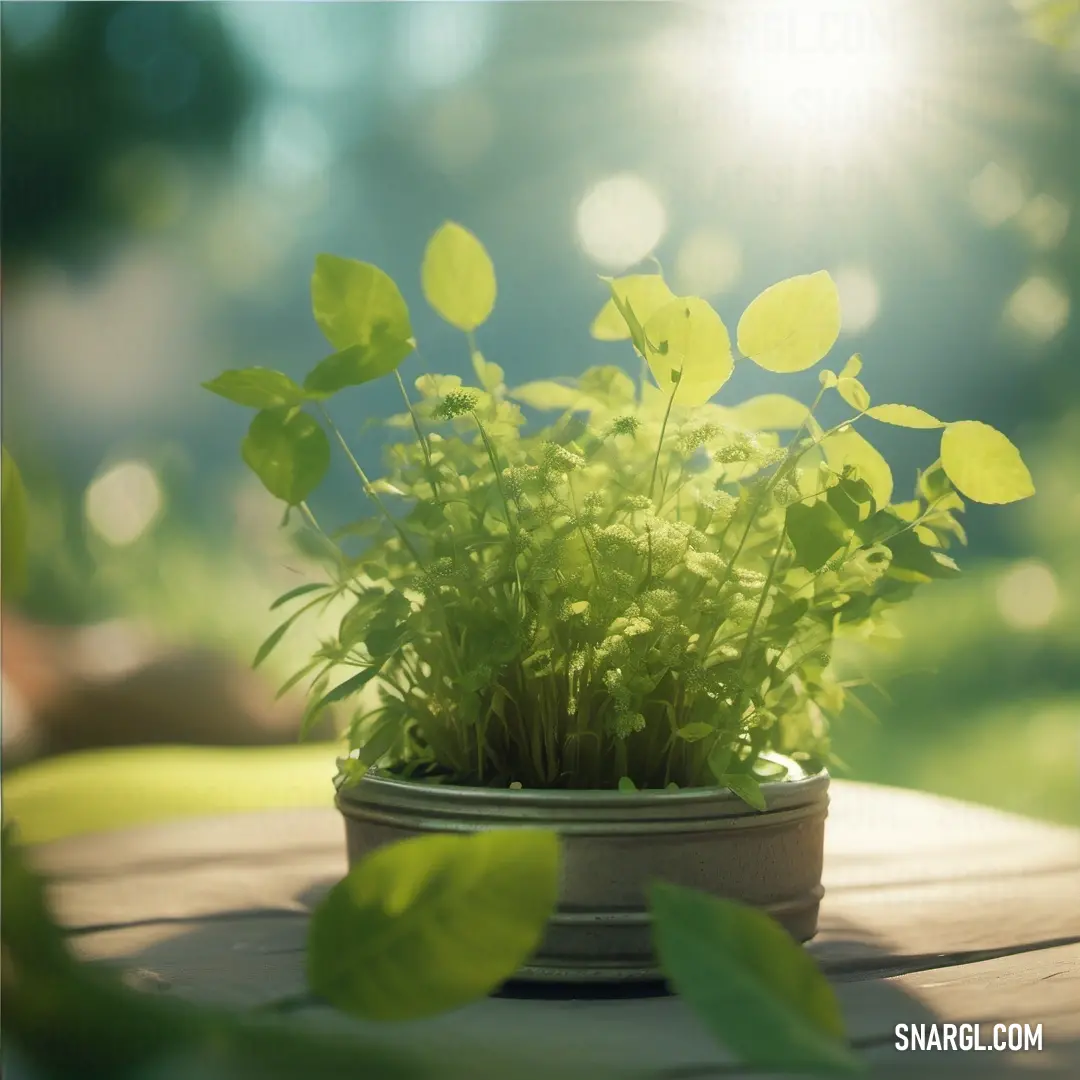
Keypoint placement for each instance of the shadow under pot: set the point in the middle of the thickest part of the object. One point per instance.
(613, 845)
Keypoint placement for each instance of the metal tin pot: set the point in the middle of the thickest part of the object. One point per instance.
(614, 843)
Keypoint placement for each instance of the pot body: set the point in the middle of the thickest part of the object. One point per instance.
(613, 845)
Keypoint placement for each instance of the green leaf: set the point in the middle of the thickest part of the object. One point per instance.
(547, 394)
(852, 368)
(355, 621)
(746, 787)
(608, 385)
(388, 627)
(257, 388)
(719, 759)
(849, 448)
(817, 533)
(771, 412)
(695, 731)
(626, 784)
(853, 392)
(379, 742)
(793, 324)
(268, 646)
(354, 366)
(300, 590)
(458, 277)
(626, 309)
(754, 987)
(687, 345)
(983, 464)
(288, 451)
(352, 685)
(14, 517)
(852, 499)
(904, 416)
(646, 293)
(432, 923)
(491, 376)
(363, 315)
(912, 560)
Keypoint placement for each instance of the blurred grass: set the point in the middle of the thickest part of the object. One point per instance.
(110, 789)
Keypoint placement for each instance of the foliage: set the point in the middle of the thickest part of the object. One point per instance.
(13, 523)
(458, 913)
(419, 926)
(755, 988)
(75, 1019)
(648, 587)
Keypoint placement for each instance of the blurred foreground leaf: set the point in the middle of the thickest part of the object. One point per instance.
(432, 923)
(13, 516)
(70, 1019)
(755, 988)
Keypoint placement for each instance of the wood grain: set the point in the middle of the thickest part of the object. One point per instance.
(935, 911)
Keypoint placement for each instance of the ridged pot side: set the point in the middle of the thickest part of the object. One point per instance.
(613, 845)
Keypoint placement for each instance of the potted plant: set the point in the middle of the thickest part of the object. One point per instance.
(617, 625)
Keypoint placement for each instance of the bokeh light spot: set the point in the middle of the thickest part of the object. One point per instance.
(124, 502)
(291, 146)
(620, 220)
(458, 131)
(31, 26)
(1028, 596)
(860, 298)
(996, 194)
(708, 262)
(1044, 221)
(442, 43)
(1039, 308)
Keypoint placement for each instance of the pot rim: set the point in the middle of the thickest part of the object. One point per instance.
(388, 793)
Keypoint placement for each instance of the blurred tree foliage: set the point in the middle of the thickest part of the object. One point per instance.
(83, 85)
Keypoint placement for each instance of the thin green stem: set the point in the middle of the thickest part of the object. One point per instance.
(764, 597)
(425, 446)
(580, 528)
(660, 441)
(373, 495)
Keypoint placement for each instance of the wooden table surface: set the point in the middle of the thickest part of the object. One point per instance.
(935, 911)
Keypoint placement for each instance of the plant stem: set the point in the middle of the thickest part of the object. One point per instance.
(373, 495)
(660, 441)
(424, 445)
(764, 597)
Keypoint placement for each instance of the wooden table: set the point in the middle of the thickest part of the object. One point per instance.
(935, 911)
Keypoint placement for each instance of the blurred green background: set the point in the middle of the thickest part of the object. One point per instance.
(169, 172)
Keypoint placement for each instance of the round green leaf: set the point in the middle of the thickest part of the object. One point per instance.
(458, 277)
(288, 451)
(904, 416)
(432, 923)
(752, 985)
(793, 324)
(848, 447)
(257, 388)
(547, 394)
(771, 412)
(983, 464)
(687, 345)
(13, 526)
(646, 294)
(853, 392)
(851, 369)
(363, 314)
